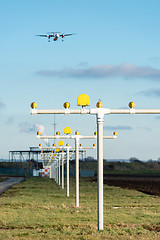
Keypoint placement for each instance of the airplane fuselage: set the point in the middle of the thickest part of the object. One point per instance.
(55, 39)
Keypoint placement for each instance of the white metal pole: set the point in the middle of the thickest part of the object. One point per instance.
(94, 111)
(100, 170)
(59, 170)
(55, 167)
(77, 171)
(62, 157)
(51, 171)
(67, 171)
(54, 171)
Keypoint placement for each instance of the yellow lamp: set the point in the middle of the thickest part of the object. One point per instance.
(83, 100)
(40, 145)
(57, 133)
(57, 149)
(54, 145)
(131, 104)
(67, 144)
(115, 133)
(76, 133)
(39, 133)
(99, 104)
(60, 143)
(95, 133)
(94, 145)
(66, 105)
(33, 105)
(80, 144)
(41, 151)
(67, 130)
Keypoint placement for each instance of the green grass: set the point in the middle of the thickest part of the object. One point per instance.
(39, 209)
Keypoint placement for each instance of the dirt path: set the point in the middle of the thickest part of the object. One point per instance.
(10, 182)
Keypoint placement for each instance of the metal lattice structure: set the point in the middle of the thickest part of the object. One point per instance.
(24, 162)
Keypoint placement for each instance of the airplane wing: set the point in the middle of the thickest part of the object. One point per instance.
(67, 34)
(45, 35)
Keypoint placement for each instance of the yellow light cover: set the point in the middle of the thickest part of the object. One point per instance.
(95, 133)
(73, 151)
(99, 104)
(66, 105)
(57, 133)
(76, 133)
(51, 151)
(80, 144)
(57, 149)
(94, 145)
(131, 104)
(40, 145)
(83, 100)
(67, 144)
(60, 143)
(38, 133)
(41, 151)
(67, 130)
(54, 145)
(115, 133)
(33, 105)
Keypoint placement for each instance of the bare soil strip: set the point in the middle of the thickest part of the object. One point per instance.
(146, 184)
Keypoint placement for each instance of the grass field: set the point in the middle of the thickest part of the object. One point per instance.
(39, 209)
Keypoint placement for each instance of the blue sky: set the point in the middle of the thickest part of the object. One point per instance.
(114, 56)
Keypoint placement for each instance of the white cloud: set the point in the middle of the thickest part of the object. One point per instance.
(2, 105)
(114, 128)
(26, 127)
(10, 121)
(125, 70)
(152, 92)
(39, 128)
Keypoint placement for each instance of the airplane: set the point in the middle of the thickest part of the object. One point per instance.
(55, 35)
